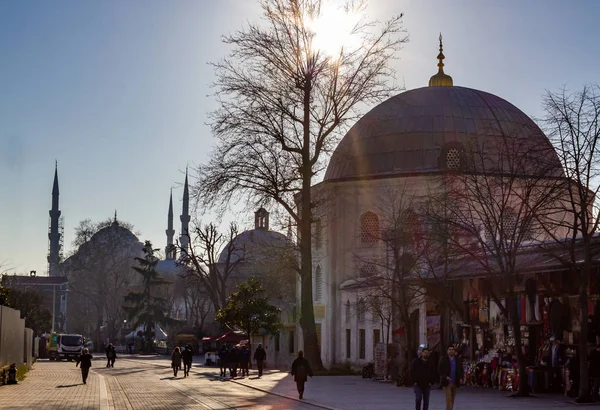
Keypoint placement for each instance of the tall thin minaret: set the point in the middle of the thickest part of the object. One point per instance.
(185, 218)
(54, 231)
(170, 252)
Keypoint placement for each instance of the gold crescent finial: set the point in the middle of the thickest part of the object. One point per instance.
(441, 79)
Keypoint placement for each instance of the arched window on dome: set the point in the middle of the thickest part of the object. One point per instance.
(369, 227)
(453, 158)
(318, 284)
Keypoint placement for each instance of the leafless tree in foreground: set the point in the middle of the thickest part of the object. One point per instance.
(283, 105)
(572, 122)
(494, 206)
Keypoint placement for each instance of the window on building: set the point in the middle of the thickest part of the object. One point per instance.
(277, 341)
(376, 336)
(453, 158)
(360, 310)
(318, 234)
(319, 284)
(369, 227)
(367, 270)
(361, 343)
(348, 343)
(348, 311)
(291, 338)
(509, 224)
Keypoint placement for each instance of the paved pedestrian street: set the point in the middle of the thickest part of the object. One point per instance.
(148, 383)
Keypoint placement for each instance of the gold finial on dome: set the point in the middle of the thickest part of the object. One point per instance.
(441, 79)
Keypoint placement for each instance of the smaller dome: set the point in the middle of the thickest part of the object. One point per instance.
(254, 245)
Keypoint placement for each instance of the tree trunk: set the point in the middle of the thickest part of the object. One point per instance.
(523, 388)
(312, 351)
(583, 395)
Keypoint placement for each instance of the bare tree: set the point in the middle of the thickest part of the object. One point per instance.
(572, 122)
(202, 257)
(492, 207)
(283, 105)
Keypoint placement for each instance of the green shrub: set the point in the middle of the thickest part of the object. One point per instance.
(22, 372)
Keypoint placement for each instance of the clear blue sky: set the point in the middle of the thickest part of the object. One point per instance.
(118, 93)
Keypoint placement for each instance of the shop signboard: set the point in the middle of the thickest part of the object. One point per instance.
(380, 355)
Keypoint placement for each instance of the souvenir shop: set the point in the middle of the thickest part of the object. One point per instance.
(548, 306)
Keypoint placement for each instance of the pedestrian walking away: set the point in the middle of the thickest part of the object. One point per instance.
(244, 360)
(595, 372)
(84, 362)
(176, 360)
(300, 370)
(260, 355)
(451, 375)
(422, 373)
(111, 355)
(232, 360)
(187, 360)
(223, 353)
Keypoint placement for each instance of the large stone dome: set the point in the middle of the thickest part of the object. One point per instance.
(408, 133)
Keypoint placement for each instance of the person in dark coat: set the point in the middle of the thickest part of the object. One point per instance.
(111, 355)
(451, 375)
(260, 356)
(422, 374)
(300, 370)
(595, 372)
(223, 353)
(86, 362)
(176, 360)
(232, 360)
(244, 360)
(186, 356)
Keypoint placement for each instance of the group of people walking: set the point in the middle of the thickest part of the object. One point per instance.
(423, 374)
(238, 358)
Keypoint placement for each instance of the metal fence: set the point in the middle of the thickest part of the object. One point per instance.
(16, 341)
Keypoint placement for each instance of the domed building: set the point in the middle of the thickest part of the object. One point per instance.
(404, 144)
(266, 254)
(99, 275)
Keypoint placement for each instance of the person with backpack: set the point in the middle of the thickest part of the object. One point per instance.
(260, 356)
(300, 370)
(86, 362)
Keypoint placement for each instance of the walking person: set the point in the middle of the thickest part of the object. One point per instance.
(223, 353)
(300, 370)
(260, 356)
(451, 375)
(176, 360)
(595, 372)
(86, 362)
(111, 355)
(187, 360)
(232, 360)
(422, 373)
(244, 360)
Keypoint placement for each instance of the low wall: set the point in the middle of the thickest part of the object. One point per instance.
(16, 341)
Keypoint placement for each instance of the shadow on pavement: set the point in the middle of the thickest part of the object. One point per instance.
(68, 385)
